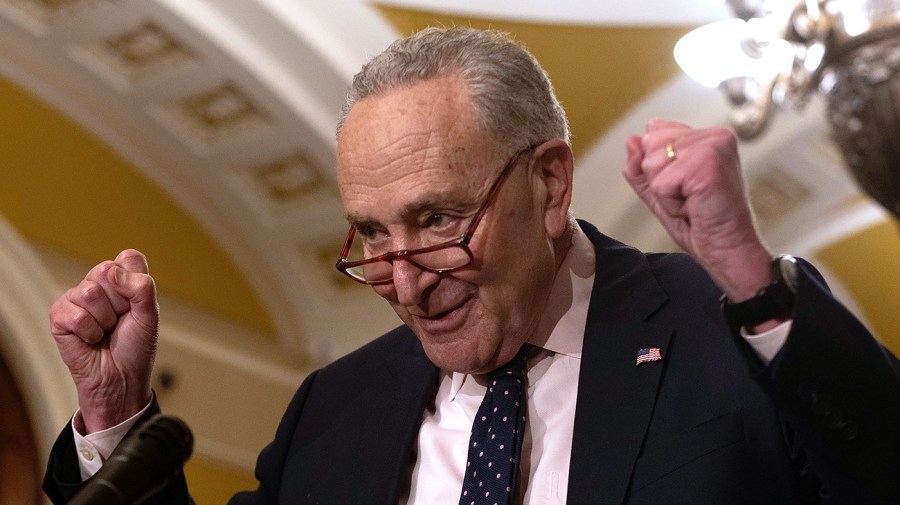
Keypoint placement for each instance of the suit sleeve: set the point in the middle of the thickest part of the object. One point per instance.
(62, 480)
(839, 394)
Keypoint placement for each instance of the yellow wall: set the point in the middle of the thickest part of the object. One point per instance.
(64, 189)
(868, 265)
(213, 483)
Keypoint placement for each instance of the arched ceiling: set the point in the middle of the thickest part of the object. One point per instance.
(200, 132)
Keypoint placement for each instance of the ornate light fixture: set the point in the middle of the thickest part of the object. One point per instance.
(776, 53)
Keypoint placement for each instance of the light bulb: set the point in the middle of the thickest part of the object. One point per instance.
(718, 51)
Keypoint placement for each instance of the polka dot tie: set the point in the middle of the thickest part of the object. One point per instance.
(495, 446)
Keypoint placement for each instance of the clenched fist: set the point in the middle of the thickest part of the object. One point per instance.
(692, 182)
(106, 330)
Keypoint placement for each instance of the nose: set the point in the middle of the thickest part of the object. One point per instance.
(411, 282)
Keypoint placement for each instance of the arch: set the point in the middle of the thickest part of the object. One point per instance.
(26, 346)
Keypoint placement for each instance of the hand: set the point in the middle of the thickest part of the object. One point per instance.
(699, 198)
(106, 330)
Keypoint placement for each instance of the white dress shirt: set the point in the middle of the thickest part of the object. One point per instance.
(552, 388)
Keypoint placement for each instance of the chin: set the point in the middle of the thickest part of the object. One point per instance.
(456, 356)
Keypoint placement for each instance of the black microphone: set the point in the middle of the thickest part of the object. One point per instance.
(143, 463)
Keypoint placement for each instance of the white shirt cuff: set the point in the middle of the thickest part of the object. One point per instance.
(95, 449)
(768, 343)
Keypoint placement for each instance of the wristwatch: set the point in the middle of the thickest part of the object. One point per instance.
(775, 301)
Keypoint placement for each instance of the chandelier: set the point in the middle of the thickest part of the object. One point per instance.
(777, 53)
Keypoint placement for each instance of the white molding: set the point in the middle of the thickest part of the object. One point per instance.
(25, 340)
(579, 12)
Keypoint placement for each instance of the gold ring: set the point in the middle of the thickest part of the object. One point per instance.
(670, 152)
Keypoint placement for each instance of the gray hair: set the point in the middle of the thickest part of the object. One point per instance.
(509, 90)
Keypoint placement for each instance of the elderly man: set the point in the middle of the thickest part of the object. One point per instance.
(539, 362)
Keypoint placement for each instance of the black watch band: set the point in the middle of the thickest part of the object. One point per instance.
(775, 301)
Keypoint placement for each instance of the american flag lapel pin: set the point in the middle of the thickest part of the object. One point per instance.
(648, 354)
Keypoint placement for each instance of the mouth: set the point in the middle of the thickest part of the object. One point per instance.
(446, 320)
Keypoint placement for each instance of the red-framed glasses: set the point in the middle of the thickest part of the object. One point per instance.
(439, 258)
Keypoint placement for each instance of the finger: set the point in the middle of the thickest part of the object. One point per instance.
(68, 318)
(695, 151)
(657, 124)
(140, 291)
(91, 297)
(669, 189)
(133, 261)
(657, 157)
(633, 171)
(665, 139)
(633, 155)
(100, 275)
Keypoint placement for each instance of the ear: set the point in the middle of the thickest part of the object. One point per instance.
(555, 162)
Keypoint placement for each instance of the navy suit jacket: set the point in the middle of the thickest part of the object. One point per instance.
(707, 424)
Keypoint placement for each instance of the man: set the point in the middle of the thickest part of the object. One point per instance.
(455, 171)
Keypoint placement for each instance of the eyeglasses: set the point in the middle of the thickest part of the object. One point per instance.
(439, 258)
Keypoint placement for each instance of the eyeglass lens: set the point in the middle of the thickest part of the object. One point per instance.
(442, 259)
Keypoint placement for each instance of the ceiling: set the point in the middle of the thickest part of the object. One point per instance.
(201, 133)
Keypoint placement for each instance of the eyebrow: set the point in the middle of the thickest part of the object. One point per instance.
(428, 201)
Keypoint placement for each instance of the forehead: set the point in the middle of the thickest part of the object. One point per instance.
(413, 143)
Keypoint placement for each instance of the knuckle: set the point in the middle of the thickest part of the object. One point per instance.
(151, 283)
(104, 266)
(91, 292)
(145, 284)
(725, 135)
(57, 324)
(99, 272)
(82, 321)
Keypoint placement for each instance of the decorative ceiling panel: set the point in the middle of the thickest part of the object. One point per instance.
(775, 193)
(289, 179)
(219, 114)
(137, 53)
(38, 15)
(284, 189)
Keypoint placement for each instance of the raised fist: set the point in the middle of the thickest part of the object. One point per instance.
(106, 330)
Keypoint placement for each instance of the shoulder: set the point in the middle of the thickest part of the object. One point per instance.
(610, 250)
(400, 341)
(388, 355)
(623, 269)
(679, 270)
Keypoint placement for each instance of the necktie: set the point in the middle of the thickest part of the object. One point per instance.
(495, 446)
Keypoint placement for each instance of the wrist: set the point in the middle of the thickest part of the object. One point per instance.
(99, 416)
(740, 275)
(771, 305)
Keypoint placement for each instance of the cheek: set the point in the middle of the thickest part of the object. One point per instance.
(521, 269)
(522, 253)
(530, 271)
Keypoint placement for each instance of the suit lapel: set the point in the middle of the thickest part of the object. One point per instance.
(615, 395)
(392, 430)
